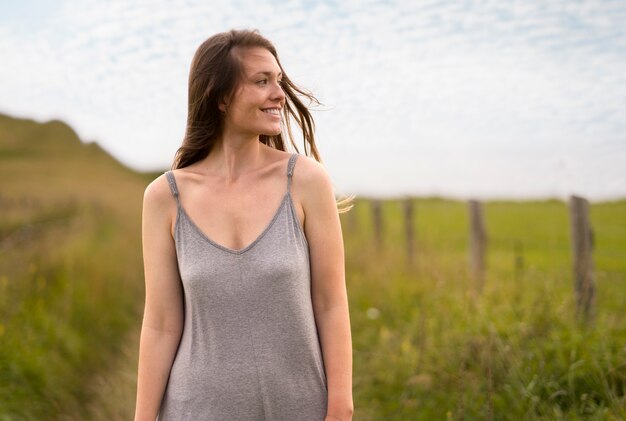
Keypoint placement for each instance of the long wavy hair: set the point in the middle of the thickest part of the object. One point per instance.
(213, 76)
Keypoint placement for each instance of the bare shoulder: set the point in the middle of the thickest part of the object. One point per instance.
(313, 185)
(310, 174)
(157, 195)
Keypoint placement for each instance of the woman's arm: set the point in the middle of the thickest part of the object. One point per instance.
(330, 299)
(163, 312)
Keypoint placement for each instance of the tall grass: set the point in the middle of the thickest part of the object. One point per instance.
(62, 319)
(70, 268)
(428, 346)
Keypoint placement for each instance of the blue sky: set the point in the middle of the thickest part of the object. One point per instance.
(481, 99)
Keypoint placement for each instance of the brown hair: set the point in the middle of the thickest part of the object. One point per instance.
(214, 73)
(213, 76)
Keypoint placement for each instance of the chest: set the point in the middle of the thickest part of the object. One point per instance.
(236, 221)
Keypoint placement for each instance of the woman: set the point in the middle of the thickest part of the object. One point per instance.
(246, 312)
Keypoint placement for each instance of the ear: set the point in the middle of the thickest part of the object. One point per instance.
(222, 106)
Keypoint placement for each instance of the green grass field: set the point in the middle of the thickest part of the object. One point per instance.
(435, 348)
(70, 269)
(427, 345)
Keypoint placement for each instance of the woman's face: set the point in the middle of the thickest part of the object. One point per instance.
(255, 107)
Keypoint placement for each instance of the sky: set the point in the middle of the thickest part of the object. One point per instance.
(460, 99)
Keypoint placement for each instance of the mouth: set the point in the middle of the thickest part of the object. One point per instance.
(272, 111)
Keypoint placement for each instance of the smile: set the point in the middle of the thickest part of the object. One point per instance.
(274, 111)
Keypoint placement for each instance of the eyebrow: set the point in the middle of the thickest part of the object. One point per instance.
(267, 73)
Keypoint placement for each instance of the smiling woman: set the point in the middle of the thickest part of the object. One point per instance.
(246, 314)
(225, 64)
(256, 103)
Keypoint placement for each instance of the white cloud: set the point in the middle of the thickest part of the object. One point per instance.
(473, 98)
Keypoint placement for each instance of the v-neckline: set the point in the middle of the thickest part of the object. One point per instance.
(182, 211)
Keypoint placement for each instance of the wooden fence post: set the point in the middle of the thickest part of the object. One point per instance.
(478, 242)
(409, 230)
(377, 215)
(582, 247)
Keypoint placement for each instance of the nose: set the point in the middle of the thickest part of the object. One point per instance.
(278, 93)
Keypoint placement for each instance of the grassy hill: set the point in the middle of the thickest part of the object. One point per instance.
(71, 280)
(426, 345)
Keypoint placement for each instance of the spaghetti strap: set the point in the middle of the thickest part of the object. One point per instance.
(172, 182)
(292, 162)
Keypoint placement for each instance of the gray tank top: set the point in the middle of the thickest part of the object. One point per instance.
(249, 348)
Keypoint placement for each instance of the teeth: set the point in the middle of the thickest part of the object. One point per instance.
(274, 111)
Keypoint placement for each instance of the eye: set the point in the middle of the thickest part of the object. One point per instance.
(262, 82)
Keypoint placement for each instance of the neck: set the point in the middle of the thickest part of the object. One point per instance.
(234, 156)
